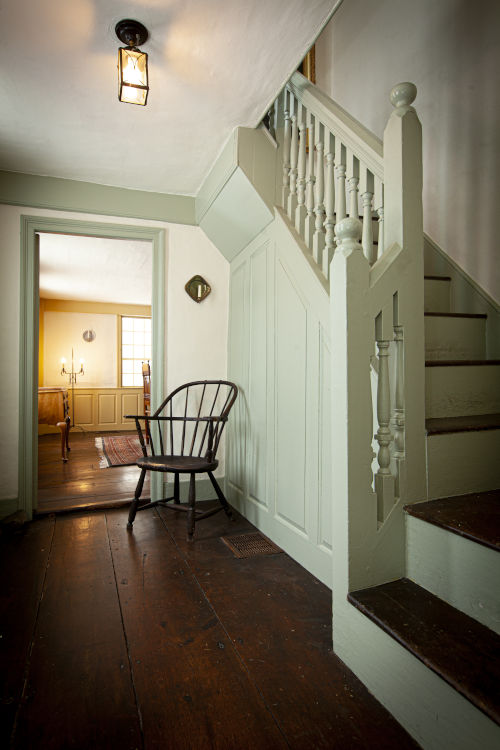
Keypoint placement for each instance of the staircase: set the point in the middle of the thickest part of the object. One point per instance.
(400, 475)
(434, 541)
(446, 610)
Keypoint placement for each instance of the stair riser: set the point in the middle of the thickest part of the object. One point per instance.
(437, 295)
(462, 391)
(455, 338)
(456, 569)
(435, 714)
(463, 462)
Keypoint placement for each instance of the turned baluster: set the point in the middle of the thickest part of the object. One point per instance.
(310, 218)
(287, 138)
(300, 211)
(319, 232)
(367, 238)
(340, 212)
(399, 408)
(381, 246)
(294, 154)
(378, 204)
(352, 183)
(384, 481)
(330, 214)
(366, 188)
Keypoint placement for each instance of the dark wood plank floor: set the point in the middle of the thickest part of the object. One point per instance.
(125, 640)
(80, 483)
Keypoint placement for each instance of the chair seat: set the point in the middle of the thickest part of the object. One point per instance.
(187, 464)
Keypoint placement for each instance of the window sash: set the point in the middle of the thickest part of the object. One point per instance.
(135, 348)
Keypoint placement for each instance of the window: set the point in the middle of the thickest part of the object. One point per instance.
(136, 349)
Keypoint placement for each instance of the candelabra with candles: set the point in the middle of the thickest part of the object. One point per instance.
(72, 376)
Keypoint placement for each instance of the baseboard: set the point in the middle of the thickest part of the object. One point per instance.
(8, 506)
(316, 560)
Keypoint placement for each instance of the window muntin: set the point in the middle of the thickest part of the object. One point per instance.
(135, 349)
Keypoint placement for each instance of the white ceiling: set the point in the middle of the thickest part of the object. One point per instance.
(95, 269)
(214, 65)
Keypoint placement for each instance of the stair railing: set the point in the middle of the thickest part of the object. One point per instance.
(332, 168)
(357, 205)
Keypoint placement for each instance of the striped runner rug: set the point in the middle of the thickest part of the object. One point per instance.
(118, 450)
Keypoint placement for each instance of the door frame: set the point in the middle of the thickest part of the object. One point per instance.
(31, 227)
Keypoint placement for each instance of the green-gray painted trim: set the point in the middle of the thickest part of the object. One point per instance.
(57, 193)
(31, 226)
(217, 177)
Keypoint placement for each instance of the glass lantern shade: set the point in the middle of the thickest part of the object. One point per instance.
(132, 75)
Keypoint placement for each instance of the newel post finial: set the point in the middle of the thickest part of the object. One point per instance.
(348, 233)
(403, 95)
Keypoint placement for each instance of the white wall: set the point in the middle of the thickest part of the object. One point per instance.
(196, 335)
(450, 50)
(197, 332)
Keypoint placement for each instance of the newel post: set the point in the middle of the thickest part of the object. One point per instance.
(355, 507)
(403, 171)
(403, 225)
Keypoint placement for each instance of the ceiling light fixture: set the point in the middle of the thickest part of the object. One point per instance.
(132, 63)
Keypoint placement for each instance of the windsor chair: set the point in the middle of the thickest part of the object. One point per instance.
(186, 429)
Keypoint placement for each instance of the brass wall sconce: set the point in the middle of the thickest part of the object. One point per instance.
(198, 288)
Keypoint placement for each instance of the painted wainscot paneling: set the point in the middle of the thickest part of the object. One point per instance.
(279, 465)
(102, 409)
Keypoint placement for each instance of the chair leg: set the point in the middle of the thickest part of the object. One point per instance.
(220, 495)
(177, 497)
(190, 513)
(135, 501)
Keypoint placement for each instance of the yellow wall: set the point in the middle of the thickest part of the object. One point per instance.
(102, 315)
(70, 305)
(41, 329)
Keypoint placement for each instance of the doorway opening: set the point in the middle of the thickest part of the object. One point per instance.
(32, 228)
(94, 341)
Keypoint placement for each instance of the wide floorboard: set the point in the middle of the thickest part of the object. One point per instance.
(80, 483)
(143, 640)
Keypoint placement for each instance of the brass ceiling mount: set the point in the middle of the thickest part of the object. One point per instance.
(131, 32)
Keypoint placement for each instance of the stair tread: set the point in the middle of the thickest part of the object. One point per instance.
(475, 516)
(456, 647)
(472, 423)
(454, 315)
(461, 362)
